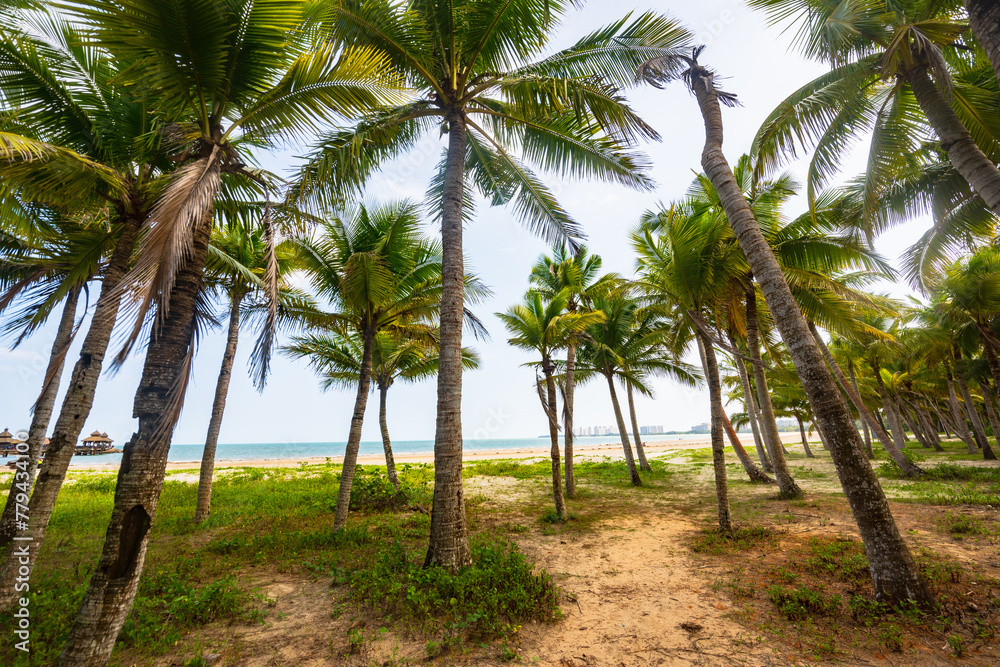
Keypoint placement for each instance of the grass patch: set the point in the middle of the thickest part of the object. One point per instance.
(798, 604)
(718, 543)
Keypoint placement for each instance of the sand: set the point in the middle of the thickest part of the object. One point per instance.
(611, 450)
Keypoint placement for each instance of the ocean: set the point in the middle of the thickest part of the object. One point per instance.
(306, 450)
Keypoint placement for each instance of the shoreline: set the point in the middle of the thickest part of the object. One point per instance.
(612, 450)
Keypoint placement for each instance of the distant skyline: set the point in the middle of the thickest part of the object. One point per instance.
(499, 400)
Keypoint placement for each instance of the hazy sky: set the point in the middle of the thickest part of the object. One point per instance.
(499, 400)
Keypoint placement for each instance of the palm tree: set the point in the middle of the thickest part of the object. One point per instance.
(894, 571)
(577, 272)
(470, 63)
(984, 19)
(338, 359)
(379, 274)
(545, 325)
(239, 260)
(223, 71)
(893, 63)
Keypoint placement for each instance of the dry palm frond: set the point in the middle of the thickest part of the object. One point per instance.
(185, 204)
(260, 359)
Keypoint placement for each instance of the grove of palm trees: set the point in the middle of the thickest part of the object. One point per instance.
(768, 227)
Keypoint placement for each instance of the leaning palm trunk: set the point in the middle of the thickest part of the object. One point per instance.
(354, 435)
(851, 389)
(866, 417)
(24, 477)
(204, 504)
(894, 572)
(893, 417)
(805, 440)
(753, 472)
(718, 446)
(776, 450)
(553, 419)
(991, 413)
(75, 408)
(568, 416)
(112, 589)
(449, 541)
(751, 408)
(383, 423)
(915, 429)
(633, 472)
(643, 463)
(965, 155)
(984, 19)
(961, 428)
(977, 423)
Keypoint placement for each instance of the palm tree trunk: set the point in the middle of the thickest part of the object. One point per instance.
(860, 405)
(204, 503)
(27, 468)
(449, 541)
(753, 472)
(894, 423)
(850, 388)
(75, 408)
(965, 155)
(914, 427)
(786, 485)
(984, 19)
(751, 408)
(992, 416)
(354, 435)
(822, 438)
(718, 446)
(927, 426)
(568, 416)
(623, 431)
(553, 419)
(894, 572)
(805, 440)
(643, 463)
(977, 424)
(383, 424)
(990, 352)
(961, 428)
(158, 401)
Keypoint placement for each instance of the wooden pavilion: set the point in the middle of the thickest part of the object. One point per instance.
(95, 443)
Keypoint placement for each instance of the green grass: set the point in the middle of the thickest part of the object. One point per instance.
(718, 543)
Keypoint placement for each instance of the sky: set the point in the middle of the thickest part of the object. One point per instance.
(499, 400)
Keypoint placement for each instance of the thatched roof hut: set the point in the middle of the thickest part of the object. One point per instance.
(97, 438)
(7, 440)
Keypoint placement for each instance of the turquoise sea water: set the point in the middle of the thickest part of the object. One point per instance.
(308, 450)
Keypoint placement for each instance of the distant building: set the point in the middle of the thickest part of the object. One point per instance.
(701, 428)
(650, 430)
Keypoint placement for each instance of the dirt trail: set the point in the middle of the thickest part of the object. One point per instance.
(638, 601)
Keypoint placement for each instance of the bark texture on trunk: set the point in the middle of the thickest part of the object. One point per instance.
(643, 463)
(354, 436)
(786, 485)
(984, 19)
(553, 419)
(449, 541)
(963, 152)
(204, 504)
(894, 572)
(753, 472)
(718, 446)
(633, 472)
(76, 405)
(851, 389)
(568, 416)
(751, 407)
(113, 586)
(24, 477)
(383, 424)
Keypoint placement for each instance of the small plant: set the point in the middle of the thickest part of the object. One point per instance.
(798, 604)
(508, 653)
(718, 543)
(841, 558)
(957, 645)
(891, 636)
(867, 611)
